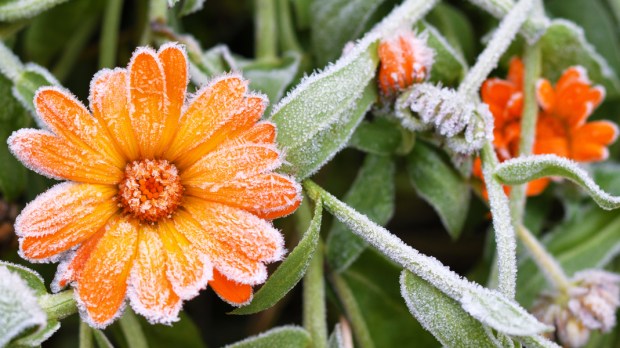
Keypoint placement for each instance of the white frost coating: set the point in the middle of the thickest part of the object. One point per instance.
(523, 169)
(247, 342)
(465, 124)
(175, 272)
(14, 10)
(19, 308)
(488, 306)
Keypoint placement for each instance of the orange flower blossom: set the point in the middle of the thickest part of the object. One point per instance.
(162, 196)
(561, 126)
(405, 59)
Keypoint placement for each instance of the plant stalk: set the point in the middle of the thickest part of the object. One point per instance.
(265, 30)
(109, 33)
(60, 305)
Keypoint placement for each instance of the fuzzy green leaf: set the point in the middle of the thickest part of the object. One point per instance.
(280, 337)
(32, 278)
(36, 338)
(12, 10)
(290, 272)
(436, 181)
(379, 137)
(373, 194)
(455, 26)
(449, 66)
(524, 169)
(564, 45)
(441, 315)
(28, 82)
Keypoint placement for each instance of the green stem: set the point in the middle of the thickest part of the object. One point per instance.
(265, 30)
(533, 66)
(551, 268)
(10, 29)
(60, 305)
(502, 224)
(10, 65)
(288, 39)
(533, 27)
(109, 33)
(132, 331)
(353, 311)
(314, 315)
(502, 38)
(86, 336)
(74, 47)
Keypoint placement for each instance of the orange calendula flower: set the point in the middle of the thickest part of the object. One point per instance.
(162, 197)
(562, 127)
(405, 59)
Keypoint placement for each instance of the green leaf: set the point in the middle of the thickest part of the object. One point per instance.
(456, 27)
(290, 272)
(590, 239)
(524, 169)
(12, 10)
(13, 117)
(184, 334)
(564, 45)
(373, 194)
(191, 6)
(320, 114)
(305, 158)
(37, 337)
(26, 85)
(449, 67)
(32, 278)
(19, 309)
(280, 337)
(537, 342)
(303, 13)
(101, 339)
(436, 181)
(272, 78)
(442, 316)
(379, 137)
(373, 282)
(336, 22)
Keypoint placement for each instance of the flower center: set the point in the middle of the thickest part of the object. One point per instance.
(151, 189)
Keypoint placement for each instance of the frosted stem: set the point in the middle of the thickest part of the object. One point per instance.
(502, 224)
(265, 29)
(58, 306)
(10, 66)
(500, 41)
(314, 316)
(533, 27)
(532, 62)
(550, 268)
(404, 15)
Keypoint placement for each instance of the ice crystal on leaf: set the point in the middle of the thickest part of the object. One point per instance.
(164, 196)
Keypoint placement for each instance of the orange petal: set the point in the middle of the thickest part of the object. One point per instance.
(150, 292)
(207, 112)
(174, 63)
(573, 105)
(536, 187)
(187, 270)
(147, 100)
(109, 101)
(515, 72)
(261, 133)
(68, 118)
(590, 152)
(221, 241)
(70, 268)
(545, 95)
(552, 145)
(102, 283)
(391, 69)
(230, 291)
(232, 163)
(267, 196)
(571, 75)
(599, 132)
(63, 217)
(242, 119)
(497, 92)
(52, 156)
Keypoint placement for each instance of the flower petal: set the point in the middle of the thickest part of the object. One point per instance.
(590, 152)
(207, 112)
(230, 291)
(242, 119)
(151, 293)
(69, 118)
(599, 132)
(102, 283)
(536, 187)
(70, 268)
(174, 63)
(63, 217)
(515, 72)
(109, 102)
(49, 155)
(187, 270)
(147, 99)
(261, 133)
(545, 95)
(232, 163)
(267, 196)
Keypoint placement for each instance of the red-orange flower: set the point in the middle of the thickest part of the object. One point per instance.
(562, 127)
(166, 196)
(405, 60)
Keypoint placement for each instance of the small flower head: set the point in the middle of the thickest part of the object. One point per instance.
(405, 59)
(589, 304)
(163, 196)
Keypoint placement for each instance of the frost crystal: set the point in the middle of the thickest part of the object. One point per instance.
(466, 125)
(589, 304)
